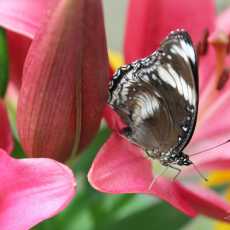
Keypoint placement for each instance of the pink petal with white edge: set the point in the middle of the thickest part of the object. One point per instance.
(206, 202)
(120, 167)
(24, 16)
(6, 141)
(149, 21)
(32, 190)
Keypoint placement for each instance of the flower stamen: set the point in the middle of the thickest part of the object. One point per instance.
(223, 79)
(220, 42)
(202, 46)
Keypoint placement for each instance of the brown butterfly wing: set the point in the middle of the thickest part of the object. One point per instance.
(157, 97)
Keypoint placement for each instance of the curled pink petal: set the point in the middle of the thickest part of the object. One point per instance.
(169, 191)
(32, 190)
(150, 21)
(120, 167)
(24, 16)
(206, 202)
(6, 141)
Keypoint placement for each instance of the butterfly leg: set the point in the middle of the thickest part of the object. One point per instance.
(153, 154)
(154, 180)
(150, 154)
(177, 169)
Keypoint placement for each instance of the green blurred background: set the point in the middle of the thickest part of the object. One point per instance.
(91, 210)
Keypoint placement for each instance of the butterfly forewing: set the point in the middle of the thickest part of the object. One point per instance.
(157, 97)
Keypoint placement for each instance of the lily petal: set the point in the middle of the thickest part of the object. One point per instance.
(6, 141)
(22, 19)
(32, 190)
(169, 191)
(223, 21)
(212, 160)
(215, 121)
(112, 118)
(95, 70)
(206, 69)
(206, 202)
(150, 21)
(23, 16)
(120, 167)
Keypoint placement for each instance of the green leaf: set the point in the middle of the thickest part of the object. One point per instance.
(4, 64)
(157, 216)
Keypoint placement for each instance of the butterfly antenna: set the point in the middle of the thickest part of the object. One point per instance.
(206, 150)
(199, 172)
(152, 183)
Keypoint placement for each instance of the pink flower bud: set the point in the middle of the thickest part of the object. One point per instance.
(64, 86)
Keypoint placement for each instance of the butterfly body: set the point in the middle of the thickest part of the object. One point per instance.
(157, 98)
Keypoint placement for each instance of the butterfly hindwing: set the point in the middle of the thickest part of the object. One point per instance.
(157, 97)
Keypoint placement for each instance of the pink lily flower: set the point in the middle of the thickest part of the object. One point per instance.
(32, 190)
(64, 74)
(121, 167)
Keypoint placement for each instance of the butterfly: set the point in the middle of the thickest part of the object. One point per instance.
(157, 99)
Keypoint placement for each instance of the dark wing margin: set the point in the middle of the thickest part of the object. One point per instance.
(182, 39)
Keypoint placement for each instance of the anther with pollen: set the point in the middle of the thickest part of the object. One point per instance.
(202, 46)
(228, 46)
(223, 79)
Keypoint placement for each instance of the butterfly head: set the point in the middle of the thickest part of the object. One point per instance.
(180, 159)
(183, 160)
